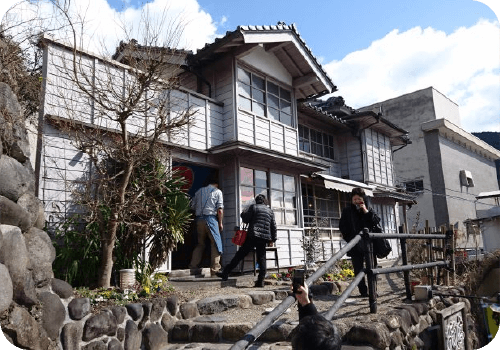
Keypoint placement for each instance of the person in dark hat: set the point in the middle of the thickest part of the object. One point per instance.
(261, 232)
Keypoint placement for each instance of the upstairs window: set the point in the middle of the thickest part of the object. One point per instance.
(414, 186)
(264, 98)
(316, 142)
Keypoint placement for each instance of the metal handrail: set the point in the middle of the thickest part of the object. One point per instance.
(269, 319)
(370, 271)
(340, 301)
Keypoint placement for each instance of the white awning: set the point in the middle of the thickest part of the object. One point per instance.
(344, 185)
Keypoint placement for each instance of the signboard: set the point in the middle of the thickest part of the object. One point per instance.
(453, 322)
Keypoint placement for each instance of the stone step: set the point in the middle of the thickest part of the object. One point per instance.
(256, 345)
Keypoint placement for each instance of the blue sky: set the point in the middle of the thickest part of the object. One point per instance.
(373, 50)
(334, 28)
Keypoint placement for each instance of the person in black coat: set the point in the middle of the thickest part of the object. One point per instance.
(261, 232)
(354, 218)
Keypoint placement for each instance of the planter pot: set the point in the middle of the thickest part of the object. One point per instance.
(127, 278)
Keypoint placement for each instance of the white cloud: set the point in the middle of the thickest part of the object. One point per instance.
(103, 23)
(464, 66)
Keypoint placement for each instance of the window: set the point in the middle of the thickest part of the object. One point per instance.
(279, 188)
(414, 186)
(316, 142)
(253, 183)
(466, 178)
(322, 207)
(264, 98)
(283, 199)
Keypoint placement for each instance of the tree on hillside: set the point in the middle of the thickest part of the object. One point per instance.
(22, 76)
(120, 117)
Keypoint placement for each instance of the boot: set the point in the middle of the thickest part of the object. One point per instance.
(222, 274)
(259, 284)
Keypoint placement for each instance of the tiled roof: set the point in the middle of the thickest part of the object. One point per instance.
(320, 110)
(281, 26)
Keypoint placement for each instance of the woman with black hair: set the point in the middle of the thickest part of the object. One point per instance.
(261, 232)
(353, 220)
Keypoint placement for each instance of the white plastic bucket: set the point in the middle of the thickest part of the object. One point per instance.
(127, 278)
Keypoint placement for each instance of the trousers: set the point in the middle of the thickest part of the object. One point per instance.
(203, 233)
(260, 248)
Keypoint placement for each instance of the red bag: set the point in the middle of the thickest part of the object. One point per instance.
(239, 237)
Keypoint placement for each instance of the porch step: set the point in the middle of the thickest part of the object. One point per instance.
(190, 273)
(201, 279)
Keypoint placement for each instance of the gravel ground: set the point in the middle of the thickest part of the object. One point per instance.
(390, 292)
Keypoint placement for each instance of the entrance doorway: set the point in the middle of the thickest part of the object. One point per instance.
(196, 176)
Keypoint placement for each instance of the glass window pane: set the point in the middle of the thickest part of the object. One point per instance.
(260, 179)
(247, 196)
(272, 88)
(285, 94)
(326, 151)
(261, 190)
(258, 109)
(246, 176)
(274, 113)
(330, 140)
(307, 147)
(276, 181)
(301, 130)
(277, 199)
(289, 200)
(286, 119)
(258, 95)
(245, 103)
(289, 183)
(243, 76)
(286, 107)
(258, 82)
(291, 217)
(313, 148)
(279, 215)
(273, 101)
(244, 90)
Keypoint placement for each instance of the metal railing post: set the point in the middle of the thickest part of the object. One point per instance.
(372, 280)
(406, 274)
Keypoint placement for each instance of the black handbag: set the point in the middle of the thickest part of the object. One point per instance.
(381, 246)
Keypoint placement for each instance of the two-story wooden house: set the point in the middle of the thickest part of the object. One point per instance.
(261, 127)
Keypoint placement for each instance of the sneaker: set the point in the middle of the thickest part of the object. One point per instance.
(221, 274)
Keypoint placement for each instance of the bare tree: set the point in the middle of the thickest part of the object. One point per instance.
(121, 117)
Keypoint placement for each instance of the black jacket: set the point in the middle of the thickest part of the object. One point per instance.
(353, 221)
(261, 222)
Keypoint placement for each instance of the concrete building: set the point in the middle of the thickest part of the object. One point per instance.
(445, 166)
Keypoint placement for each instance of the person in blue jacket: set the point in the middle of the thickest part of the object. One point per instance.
(208, 204)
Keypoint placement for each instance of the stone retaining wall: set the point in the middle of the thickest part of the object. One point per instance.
(38, 311)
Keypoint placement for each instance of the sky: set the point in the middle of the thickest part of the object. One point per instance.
(373, 50)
